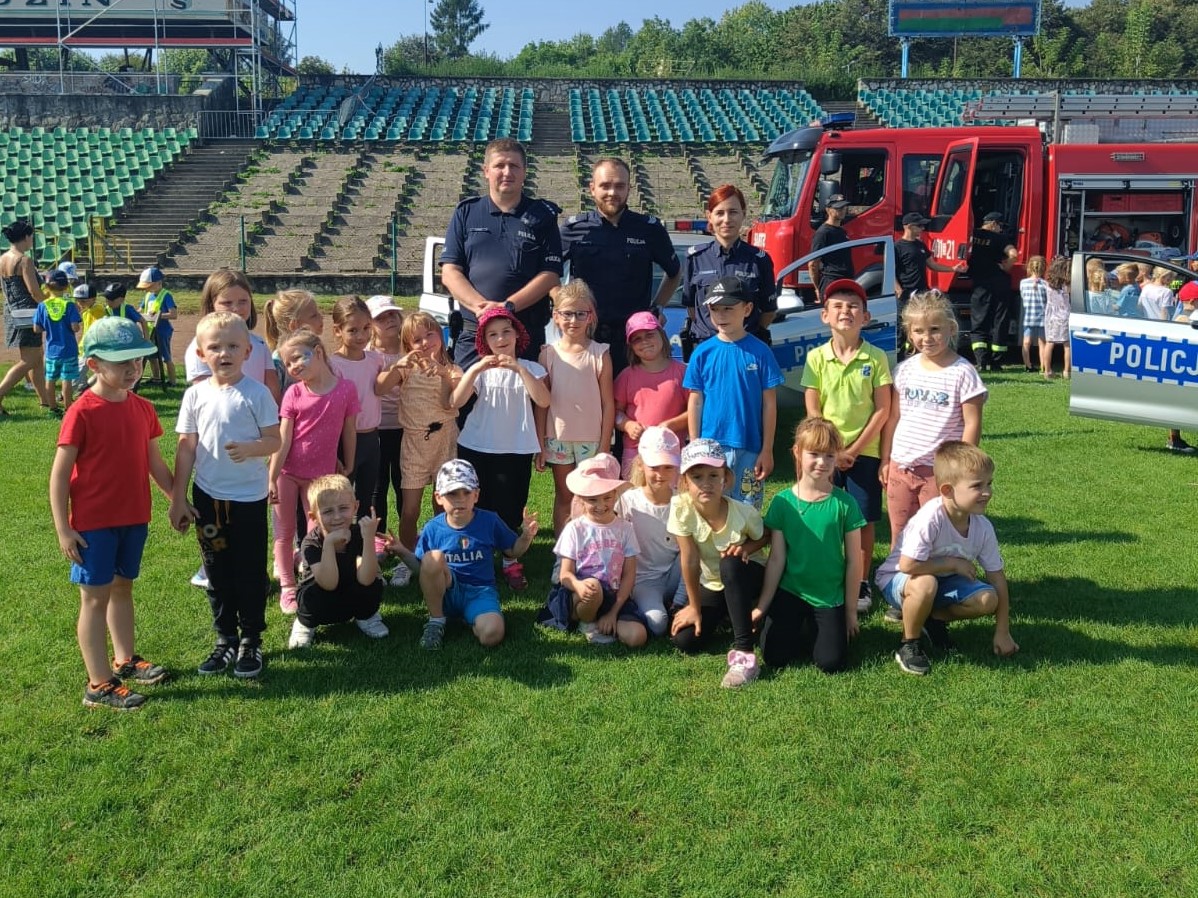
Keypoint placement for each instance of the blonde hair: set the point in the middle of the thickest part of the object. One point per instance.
(220, 281)
(414, 322)
(1097, 280)
(328, 483)
(577, 292)
(222, 320)
(932, 305)
(306, 338)
(955, 460)
(1036, 266)
(281, 313)
(1160, 273)
(1128, 271)
(636, 476)
(815, 434)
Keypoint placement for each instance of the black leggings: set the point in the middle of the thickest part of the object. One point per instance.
(233, 544)
(742, 586)
(503, 482)
(795, 630)
(388, 479)
(366, 469)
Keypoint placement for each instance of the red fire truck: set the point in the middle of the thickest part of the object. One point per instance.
(1055, 198)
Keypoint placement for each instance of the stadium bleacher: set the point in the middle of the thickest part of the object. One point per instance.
(60, 178)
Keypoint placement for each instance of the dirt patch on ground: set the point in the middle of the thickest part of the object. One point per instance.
(185, 329)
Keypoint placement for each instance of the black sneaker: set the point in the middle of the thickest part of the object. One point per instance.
(911, 659)
(220, 659)
(112, 695)
(937, 633)
(249, 660)
(139, 670)
(1180, 446)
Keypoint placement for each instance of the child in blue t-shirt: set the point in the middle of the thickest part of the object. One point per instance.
(159, 310)
(726, 375)
(59, 320)
(454, 557)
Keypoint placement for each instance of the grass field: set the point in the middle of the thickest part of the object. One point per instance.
(551, 767)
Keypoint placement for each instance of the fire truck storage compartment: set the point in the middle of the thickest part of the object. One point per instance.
(1152, 222)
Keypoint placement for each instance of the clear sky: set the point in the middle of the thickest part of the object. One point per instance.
(345, 32)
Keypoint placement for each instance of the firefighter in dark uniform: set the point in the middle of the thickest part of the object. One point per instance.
(912, 259)
(990, 258)
(839, 263)
(614, 250)
(502, 249)
(727, 256)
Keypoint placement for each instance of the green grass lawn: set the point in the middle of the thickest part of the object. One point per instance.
(551, 767)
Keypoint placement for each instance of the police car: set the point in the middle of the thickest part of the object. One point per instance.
(796, 330)
(1130, 369)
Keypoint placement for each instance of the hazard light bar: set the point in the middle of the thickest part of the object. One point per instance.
(697, 225)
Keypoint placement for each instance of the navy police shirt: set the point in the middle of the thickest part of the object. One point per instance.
(617, 260)
(708, 262)
(500, 252)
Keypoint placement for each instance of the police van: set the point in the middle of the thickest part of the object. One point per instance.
(1130, 369)
(796, 330)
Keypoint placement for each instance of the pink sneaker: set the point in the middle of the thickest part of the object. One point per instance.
(287, 603)
(742, 670)
(514, 575)
(380, 548)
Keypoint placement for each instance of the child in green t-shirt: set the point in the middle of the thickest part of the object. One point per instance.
(848, 382)
(808, 603)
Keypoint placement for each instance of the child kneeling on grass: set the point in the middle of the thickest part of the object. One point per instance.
(454, 556)
(808, 605)
(340, 570)
(931, 574)
(598, 552)
(107, 450)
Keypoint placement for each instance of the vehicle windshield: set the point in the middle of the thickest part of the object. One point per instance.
(787, 185)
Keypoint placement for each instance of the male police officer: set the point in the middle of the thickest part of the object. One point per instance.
(912, 259)
(502, 250)
(837, 264)
(990, 260)
(614, 250)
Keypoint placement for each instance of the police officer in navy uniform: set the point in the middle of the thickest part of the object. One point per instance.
(502, 249)
(912, 259)
(727, 256)
(989, 304)
(614, 250)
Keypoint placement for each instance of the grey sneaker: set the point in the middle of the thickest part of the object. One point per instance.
(301, 636)
(373, 626)
(401, 576)
(112, 695)
(742, 670)
(140, 671)
(433, 636)
(594, 637)
(912, 660)
(865, 598)
(893, 615)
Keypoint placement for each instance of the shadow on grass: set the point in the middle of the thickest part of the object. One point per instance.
(1031, 531)
(1079, 599)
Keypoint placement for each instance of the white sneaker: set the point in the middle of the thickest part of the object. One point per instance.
(401, 576)
(200, 579)
(865, 598)
(373, 626)
(591, 632)
(301, 636)
(742, 670)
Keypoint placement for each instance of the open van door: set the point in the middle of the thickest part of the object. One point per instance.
(952, 208)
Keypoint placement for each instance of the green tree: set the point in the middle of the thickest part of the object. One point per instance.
(456, 24)
(315, 65)
(408, 54)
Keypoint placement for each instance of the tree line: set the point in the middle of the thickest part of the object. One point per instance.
(828, 45)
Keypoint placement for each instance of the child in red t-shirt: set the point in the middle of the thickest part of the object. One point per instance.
(107, 450)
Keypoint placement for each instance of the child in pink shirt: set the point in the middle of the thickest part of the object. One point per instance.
(318, 413)
(649, 391)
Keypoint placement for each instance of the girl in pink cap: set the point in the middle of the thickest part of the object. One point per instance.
(500, 434)
(649, 391)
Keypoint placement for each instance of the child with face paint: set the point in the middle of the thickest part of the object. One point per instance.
(318, 414)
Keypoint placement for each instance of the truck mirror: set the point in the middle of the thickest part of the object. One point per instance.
(829, 163)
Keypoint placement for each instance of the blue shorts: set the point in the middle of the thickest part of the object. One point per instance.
(163, 342)
(745, 486)
(951, 589)
(469, 602)
(66, 368)
(1033, 333)
(111, 552)
(862, 483)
